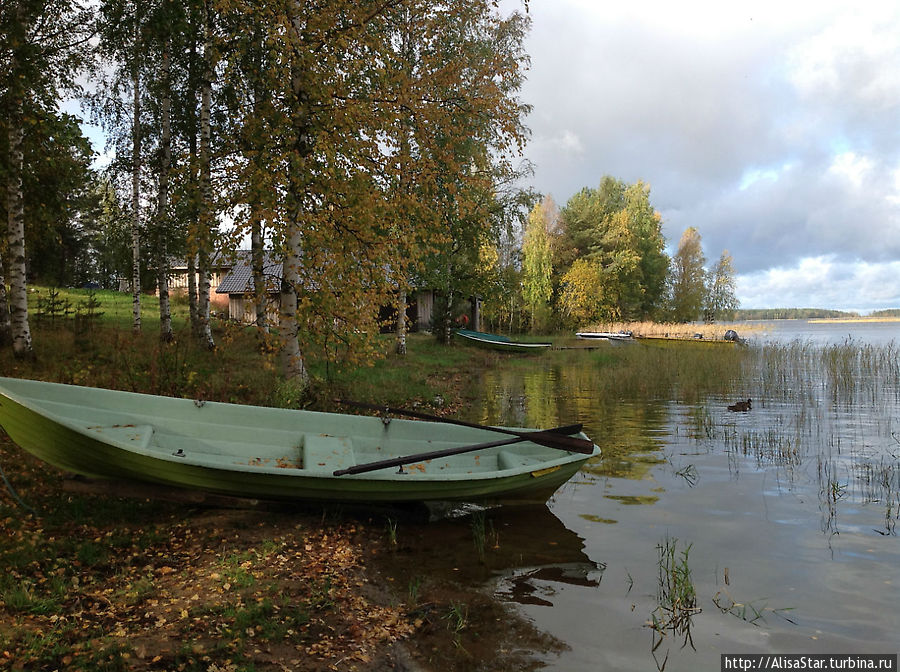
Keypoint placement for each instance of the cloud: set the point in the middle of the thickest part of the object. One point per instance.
(822, 281)
(771, 127)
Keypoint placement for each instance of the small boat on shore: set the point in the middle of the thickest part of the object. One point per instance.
(617, 336)
(499, 342)
(280, 454)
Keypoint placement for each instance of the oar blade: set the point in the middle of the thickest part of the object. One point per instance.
(551, 439)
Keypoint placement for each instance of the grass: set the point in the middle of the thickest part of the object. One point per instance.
(484, 535)
(676, 596)
(644, 373)
(240, 370)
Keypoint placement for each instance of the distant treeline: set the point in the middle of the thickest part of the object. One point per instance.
(796, 313)
(890, 312)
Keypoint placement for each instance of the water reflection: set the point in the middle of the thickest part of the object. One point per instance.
(536, 586)
(633, 434)
(483, 544)
(790, 509)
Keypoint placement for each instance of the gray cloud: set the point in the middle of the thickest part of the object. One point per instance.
(775, 133)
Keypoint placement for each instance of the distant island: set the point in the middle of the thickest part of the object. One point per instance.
(812, 314)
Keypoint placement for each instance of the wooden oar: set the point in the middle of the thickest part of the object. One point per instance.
(558, 437)
(445, 452)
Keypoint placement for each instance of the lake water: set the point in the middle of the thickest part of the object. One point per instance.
(823, 332)
(786, 516)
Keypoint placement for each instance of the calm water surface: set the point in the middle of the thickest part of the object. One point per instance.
(788, 515)
(823, 332)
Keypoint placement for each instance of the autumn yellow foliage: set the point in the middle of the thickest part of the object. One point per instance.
(583, 298)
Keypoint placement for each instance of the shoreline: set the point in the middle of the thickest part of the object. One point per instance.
(852, 320)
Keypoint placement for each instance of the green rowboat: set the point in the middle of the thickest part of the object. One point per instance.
(279, 454)
(499, 342)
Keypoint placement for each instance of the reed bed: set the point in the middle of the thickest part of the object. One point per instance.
(799, 372)
(637, 372)
(844, 374)
(831, 407)
(687, 331)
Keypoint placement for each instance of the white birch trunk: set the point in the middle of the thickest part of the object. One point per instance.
(18, 290)
(206, 209)
(136, 191)
(192, 291)
(292, 364)
(260, 291)
(5, 324)
(162, 277)
(401, 322)
(193, 163)
(448, 318)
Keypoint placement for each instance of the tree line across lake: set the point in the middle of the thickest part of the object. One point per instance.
(371, 146)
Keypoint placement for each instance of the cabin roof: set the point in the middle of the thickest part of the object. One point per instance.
(239, 280)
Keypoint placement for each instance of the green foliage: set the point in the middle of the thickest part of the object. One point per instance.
(721, 291)
(615, 227)
(57, 184)
(583, 299)
(53, 307)
(688, 278)
(537, 264)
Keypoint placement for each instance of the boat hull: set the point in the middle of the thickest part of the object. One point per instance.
(500, 343)
(265, 453)
(604, 336)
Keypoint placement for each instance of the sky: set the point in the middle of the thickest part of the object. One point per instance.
(773, 128)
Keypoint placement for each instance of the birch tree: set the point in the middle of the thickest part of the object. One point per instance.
(317, 131)
(377, 156)
(537, 264)
(5, 323)
(721, 290)
(162, 202)
(248, 62)
(15, 206)
(136, 176)
(206, 218)
(43, 45)
(473, 136)
(117, 105)
(688, 277)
